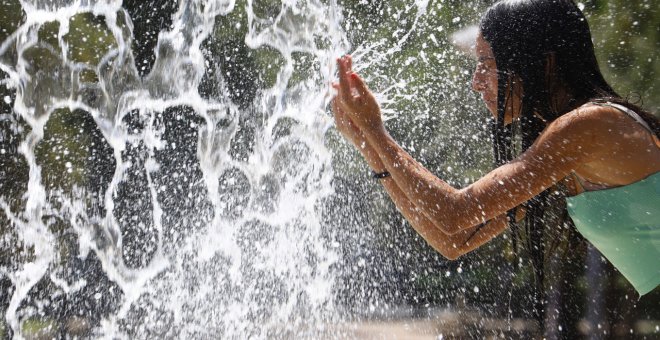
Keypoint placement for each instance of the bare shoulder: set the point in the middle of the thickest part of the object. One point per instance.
(587, 119)
(582, 126)
(579, 133)
(590, 123)
(597, 119)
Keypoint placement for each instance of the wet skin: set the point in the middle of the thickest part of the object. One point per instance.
(484, 81)
(600, 144)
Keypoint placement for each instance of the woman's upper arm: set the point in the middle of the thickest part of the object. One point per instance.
(566, 143)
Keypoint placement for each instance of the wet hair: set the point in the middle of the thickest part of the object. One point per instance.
(545, 46)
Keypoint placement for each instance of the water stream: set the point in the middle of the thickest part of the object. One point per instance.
(154, 210)
(169, 169)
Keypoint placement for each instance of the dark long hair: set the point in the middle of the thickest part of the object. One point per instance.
(546, 46)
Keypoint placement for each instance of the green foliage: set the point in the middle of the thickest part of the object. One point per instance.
(65, 149)
(38, 328)
(11, 17)
(89, 39)
(245, 69)
(259, 66)
(627, 41)
(68, 148)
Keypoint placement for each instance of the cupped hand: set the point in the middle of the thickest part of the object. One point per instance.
(355, 99)
(346, 126)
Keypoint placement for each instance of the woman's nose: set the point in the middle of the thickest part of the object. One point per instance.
(477, 81)
(474, 84)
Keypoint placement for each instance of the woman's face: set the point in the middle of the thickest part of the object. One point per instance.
(484, 81)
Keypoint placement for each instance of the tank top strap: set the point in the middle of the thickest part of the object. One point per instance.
(634, 115)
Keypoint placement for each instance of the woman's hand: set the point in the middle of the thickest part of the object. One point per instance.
(346, 126)
(353, 133)
(355, 99)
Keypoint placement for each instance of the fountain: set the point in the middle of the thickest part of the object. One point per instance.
(169, 169)
(159, 203)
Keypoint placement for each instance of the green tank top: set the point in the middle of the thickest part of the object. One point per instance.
(623, 223)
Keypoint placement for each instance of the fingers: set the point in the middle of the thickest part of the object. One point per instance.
(340, 115)
(335, 107)
(359, 84)
(349, 62)
(341, 121)
(349, 71)
(344, 82)
(337, 100)
(352, 90)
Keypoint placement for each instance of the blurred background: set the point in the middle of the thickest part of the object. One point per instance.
(383, 278)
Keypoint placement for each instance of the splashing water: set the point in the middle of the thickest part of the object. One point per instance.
(178, 213)
(168, 170)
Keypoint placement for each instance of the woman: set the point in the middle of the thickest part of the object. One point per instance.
(536, 68)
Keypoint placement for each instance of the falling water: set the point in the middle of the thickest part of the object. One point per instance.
(168, 212)
(198, 190)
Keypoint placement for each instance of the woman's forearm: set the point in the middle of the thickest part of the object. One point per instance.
(565, 144)
(450, 246)
(437, 200)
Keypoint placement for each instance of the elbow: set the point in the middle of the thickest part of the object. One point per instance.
(457, 214)
(444, 224)
(450, 252)
(452, 256)
(457, 224)
(451, 222)
(452, 230)
(449, 228)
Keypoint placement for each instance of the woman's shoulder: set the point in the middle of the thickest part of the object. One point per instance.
(593, 118)
(584, 120)
(597, 130)
(588, 130)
